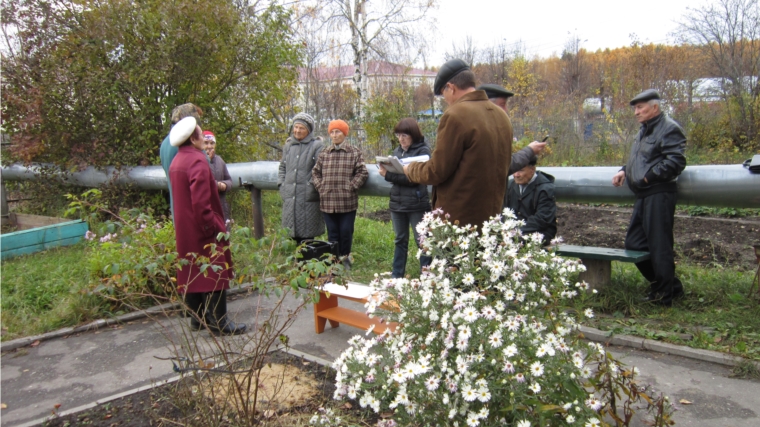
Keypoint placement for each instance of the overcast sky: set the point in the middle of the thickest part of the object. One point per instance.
(545, 26)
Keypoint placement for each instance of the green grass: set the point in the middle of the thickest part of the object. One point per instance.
(715, 314)
(45, 291)
(720, 212)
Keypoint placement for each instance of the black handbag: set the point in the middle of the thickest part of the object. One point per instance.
(315, 249)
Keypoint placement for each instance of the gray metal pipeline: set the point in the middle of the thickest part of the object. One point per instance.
(710, 185)
(731, 186)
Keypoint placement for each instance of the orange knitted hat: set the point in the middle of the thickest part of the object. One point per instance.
(338, 124)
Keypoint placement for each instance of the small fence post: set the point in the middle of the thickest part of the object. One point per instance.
(258, 210)
(6, 218)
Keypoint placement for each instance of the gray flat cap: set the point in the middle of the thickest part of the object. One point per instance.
(447, 72)
(647, 95)
(495, 91)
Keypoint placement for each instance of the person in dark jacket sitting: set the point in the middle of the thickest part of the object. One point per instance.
(531, 196)
(409, 201)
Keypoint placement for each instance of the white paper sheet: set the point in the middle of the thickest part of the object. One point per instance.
(355, 290)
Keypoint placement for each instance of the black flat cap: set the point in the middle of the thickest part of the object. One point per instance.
(647, 95)
(447, 72)
(495, 91)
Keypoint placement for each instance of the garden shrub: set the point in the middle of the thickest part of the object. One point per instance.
(132, 259)
(486, 338)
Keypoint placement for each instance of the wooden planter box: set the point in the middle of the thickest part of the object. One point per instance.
(37, 233)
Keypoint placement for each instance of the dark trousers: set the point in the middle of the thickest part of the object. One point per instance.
(401, 223)
(651, 230)
(340, 228)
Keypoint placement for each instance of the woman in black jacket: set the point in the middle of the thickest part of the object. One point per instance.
(409, 201)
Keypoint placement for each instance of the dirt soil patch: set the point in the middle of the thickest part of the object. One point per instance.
(281, 387)
(698, 239)
(294, 386)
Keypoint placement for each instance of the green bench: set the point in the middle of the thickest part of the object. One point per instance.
(598, 261)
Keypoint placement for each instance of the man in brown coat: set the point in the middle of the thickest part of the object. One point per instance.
(468, 168)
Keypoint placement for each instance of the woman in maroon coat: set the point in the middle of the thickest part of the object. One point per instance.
(198, 219)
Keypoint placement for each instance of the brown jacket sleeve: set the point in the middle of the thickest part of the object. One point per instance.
(446, 157)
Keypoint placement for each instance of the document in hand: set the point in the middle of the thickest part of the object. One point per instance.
(754, 165)
(395, 165)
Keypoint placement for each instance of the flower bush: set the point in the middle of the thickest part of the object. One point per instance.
(132, 259)
(485, 338)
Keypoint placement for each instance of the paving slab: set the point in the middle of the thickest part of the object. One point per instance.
(86, 367)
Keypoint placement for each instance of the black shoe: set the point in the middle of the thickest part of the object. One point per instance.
(194, 310)
(347, 263)
(216, 317)
(658, 299)
(676, 295)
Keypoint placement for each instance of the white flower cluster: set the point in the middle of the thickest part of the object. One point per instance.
(325, 417)
(482, 340)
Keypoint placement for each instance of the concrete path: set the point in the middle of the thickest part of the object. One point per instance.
(86, 367)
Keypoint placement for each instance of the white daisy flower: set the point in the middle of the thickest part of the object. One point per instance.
(537, 369)
(432, 383)
(468, 279)
(470, 314)
(510, 350)
(593, 422)
(594, 403)
(484, 395)
(495, 339)
(472, 420)
(468, 393)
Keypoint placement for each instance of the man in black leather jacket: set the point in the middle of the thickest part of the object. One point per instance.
(656, 160)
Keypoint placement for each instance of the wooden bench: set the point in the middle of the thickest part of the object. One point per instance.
(598, 261)
(327, 308)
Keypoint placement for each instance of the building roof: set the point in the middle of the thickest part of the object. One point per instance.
(374, 68)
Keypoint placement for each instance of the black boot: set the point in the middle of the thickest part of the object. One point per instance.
(194, 302)
(216, 315)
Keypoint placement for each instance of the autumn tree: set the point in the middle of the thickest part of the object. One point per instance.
(378, 28)
(384, 110)
(575, 73)
(729, 32)
(464, 50)
(524, 83)
(92, 82)
(494, 62)
(423, 97)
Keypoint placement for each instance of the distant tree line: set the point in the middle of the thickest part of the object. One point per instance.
(93, 82)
